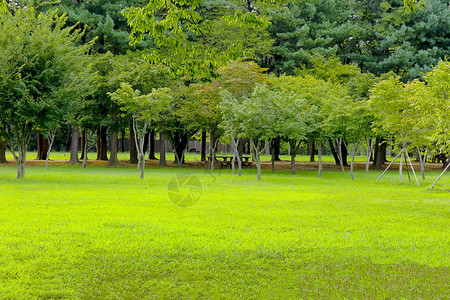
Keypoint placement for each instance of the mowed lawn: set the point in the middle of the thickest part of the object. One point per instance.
(102, 233)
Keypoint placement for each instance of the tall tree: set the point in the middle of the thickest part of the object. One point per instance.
(41, 73)
(145, 110)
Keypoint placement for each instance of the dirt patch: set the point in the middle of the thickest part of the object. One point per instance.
(267, 165)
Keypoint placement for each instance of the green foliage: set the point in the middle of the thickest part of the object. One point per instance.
(42, 73)
(101, 20)
(189, 35)
(304, 28)
(145, 107)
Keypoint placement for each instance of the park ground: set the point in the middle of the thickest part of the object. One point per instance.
(102, 233)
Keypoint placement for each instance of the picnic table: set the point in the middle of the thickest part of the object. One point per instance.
(225, 160)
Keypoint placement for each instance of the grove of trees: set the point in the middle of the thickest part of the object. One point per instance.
(346, 76)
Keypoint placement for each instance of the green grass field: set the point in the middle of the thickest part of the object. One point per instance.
(101, 233)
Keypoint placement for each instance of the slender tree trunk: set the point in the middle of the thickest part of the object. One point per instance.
(103, 143)
(86, 148)
(353, 153)
(162, 149)
(74, 146)
(319, 148)
(83, 143)
(85, 155)
(151, 151)
(422, 160)
(236, 145)
(113, 160)
(133, 148)
(50, 140)
(212, 146)
(122, 141)
(311, 150)
(256, 156)
(333, 151)
(99, 143)
(344, 153)
(3, 153)
(369, 153)
(203, 149)
(146, 142)
(339, 148)
(21, 160)
(293, 168)
(273, 156)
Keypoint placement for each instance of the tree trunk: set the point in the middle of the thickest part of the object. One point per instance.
(380, 153)
(162, 149)
(203, 149)
(339, 148)
(311, 151)
(103, 153)
(122, 141)
(86, 148)
(369, 153)
(276, 145)
(273, 156)
(21, 160)
(319, 148)
(151, 150)
(74, 146)
(212, 148)
(256, 156)
(3, 153)
(179, 141)
(99, 143)
(113, 160)
(42, 147)
(146, 142)
(344, 152)
(353, 153)
(333, 151)
(133, 149)
(422, 160)
(50, 140)
(83, 143)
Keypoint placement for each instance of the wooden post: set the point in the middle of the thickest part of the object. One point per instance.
(448, 165)
(412, 168)
(400, 170)
(390, 165)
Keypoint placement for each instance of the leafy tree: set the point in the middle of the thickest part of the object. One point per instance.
(258, 116)
(41, 73)
(145, 110)
(395, 113)
(201, 112)
(189, 34)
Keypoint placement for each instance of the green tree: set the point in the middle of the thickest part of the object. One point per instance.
(258, 115)
(42, 72)
(145, 109)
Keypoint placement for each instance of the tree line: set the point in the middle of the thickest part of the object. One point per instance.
(338, 74)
